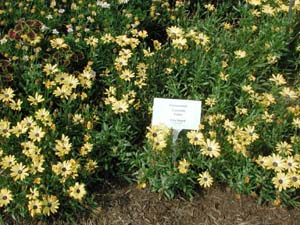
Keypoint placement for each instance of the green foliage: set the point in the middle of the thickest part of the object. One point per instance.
(77, 82)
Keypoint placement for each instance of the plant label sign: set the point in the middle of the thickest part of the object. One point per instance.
(177, 114)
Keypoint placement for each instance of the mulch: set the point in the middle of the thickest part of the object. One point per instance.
(129, 205)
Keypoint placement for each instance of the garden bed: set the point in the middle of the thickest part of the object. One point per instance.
(218, 206)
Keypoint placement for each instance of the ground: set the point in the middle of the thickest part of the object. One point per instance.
(128, 205)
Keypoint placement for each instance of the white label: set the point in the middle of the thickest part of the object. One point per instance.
(176, 113)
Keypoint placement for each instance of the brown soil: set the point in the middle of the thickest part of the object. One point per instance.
(131, 206)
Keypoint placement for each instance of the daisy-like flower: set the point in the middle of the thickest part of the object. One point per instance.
(36, 134)
(86, 148)
(284, 148)
(36, 99)
(254, 2)
(50, 69)
(276, 163)
(19, 129)
(183, 166)
(159, 143)
(5, 130)
(229, 125)
(50, 204)
(7, 161)
(127, 75)
(77, 191)
(34, 194)
(288, 93)
(63, 92)
(294, 179)
(19, 172)
(92, 41)
(195, 137)
(210, 102)
(16, 105)
(6, 95)
(35, 207)
(5, 197)
(205, 179)
(210, 148)
(281, 181)
(210, 7)
(63, 146)
(292, 165)
(239, 54)
(63, 168)
(120, 106)
(262, 161)
(250, 130)
(175, 32)
(296, 122)
(58, 43)
(268, 9)
(90, 166)
(278, 79)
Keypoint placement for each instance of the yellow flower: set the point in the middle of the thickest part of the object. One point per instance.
(16, 105)
(36, 134)
(210, 148)
(34, 194)
(269, 10)
(50, 204)
(228, 125)
(292, 165)
(174, 32)
(278, 79)
(7, 95)
(77, 191)
(5, 197)
(35, 207)
(5, 128)
(92, 41)
(90, 166)
(36, 99)
(284, 148)
(107, 38)
(63, 168)
(120, 106)
(159, 143)
(289, 93)
(63, 146)
(183, 166)
(210, 102)
(156, 131)
(276, 163)
(180, 43)
(19, 171)
(239, 54)
(205, 179)
(86, 148)
(195, 137)
(19, 128)
(127, 75)
(294, 179)
(63, 92)
(58, 43)
(254, 2)
(281, 181)
(8, 161)
(250, 130)
(210, 7)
